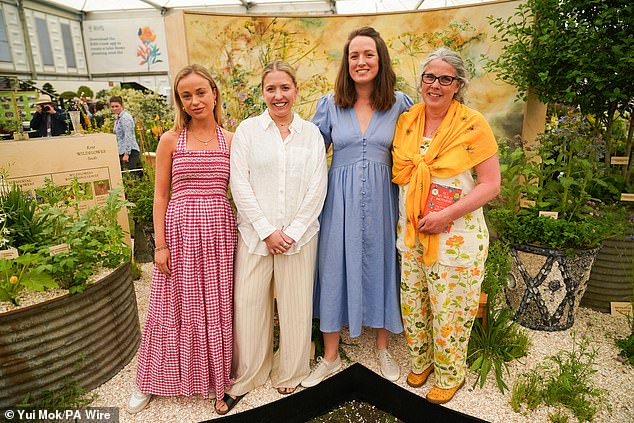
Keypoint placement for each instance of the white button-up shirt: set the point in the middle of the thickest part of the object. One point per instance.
(277, 184)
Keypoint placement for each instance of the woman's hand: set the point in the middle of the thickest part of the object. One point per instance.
(278, 242)
(162, 261)
(433, 223)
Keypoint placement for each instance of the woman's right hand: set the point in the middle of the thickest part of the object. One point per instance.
(278, 242)
(162, 261)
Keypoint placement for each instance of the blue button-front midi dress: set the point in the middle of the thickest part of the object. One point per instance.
(357, 281)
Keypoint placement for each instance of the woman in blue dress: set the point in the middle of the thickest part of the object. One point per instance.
(357, 282)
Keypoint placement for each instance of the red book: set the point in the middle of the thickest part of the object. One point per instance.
(440, 197)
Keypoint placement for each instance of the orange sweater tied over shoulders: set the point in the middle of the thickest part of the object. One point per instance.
(463, 140)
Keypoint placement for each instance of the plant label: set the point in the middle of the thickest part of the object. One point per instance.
(550, 214)
(8, 254)
(60, 248)
(527, 203)
(619, 160)
(627, 197)
(619, 308)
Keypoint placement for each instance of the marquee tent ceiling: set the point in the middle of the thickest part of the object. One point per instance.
(246, 6)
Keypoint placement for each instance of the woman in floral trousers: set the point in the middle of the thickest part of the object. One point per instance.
(442, 235)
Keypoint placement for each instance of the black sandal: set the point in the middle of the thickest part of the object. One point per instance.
(230, 401)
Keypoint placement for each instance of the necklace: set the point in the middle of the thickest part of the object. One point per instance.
(284, 123)
(205, 143)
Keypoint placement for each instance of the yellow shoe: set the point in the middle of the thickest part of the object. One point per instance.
(416, 380)
(440, 396)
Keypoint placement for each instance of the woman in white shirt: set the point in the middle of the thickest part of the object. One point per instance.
(278, 182)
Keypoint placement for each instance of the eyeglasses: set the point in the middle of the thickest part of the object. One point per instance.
(430, 78)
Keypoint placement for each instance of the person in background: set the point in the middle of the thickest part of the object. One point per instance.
(127, 145)
(357, 283)
(437, 146)
(186, 347)
(278, 182)
(48, 120)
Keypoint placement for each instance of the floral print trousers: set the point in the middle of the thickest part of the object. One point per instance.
(439, 304)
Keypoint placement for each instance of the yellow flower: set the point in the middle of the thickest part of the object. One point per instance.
(13, 279)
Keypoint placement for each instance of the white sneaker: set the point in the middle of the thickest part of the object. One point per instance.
(389, 367)
(138, 401)
(322, 370)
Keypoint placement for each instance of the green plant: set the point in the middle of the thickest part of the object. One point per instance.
(21, 222)
(626, 345)
(140, 192)
(93, 236)
(577, 52)
(556, 175)
(85, 91)
(501, 340)
(68, 396)
(563, 379)
(26, 271)
(151, 112)
(68, 95)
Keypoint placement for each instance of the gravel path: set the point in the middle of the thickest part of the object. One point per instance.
(487, 403)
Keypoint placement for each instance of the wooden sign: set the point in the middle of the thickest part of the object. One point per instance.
(9, 253)
(60, 248)
(618, 308)
(619, 160)
(93, 160)
(550, 214)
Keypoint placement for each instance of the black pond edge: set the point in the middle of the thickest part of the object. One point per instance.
(354, 383)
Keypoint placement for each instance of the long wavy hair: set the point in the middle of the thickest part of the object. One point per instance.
(382, 97)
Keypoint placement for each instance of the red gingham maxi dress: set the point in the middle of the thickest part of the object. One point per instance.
(187, 339)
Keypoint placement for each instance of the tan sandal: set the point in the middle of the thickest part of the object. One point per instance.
(416, 380)
(440, 396)
(286, 391)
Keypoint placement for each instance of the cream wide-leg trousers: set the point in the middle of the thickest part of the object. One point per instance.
(256, 278)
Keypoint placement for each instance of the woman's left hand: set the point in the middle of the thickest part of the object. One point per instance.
(433, 223)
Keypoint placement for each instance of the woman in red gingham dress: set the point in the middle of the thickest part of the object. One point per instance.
(186, 347)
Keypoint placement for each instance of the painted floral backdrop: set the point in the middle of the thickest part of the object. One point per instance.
(236, 48)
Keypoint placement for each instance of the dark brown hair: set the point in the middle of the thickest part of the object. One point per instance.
(116, 99)
(382, 97)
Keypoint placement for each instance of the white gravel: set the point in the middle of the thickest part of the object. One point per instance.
(487, 403)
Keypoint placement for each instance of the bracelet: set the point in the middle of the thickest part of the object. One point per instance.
(161, 248)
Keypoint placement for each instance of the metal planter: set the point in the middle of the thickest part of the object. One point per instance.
(86, 338)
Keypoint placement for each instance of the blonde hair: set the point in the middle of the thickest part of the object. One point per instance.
(181, 118)
(279, 65)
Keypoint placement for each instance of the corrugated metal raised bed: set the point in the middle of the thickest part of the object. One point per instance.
(86, 337)
(612, 274)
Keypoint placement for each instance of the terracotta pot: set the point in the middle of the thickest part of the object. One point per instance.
(86, 338)
(545, 286)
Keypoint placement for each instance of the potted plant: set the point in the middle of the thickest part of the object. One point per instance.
(556, 232)
(139, 191)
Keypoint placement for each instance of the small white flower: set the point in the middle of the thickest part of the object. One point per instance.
(5, 231)
(3, 242)
(2, 217)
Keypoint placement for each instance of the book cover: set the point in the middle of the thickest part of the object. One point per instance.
(440, 197)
